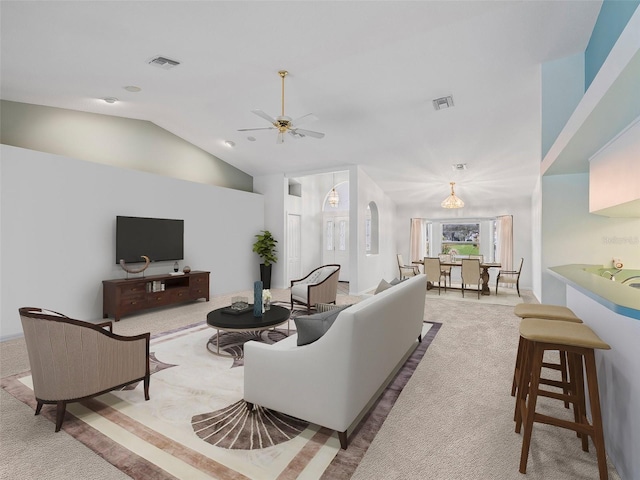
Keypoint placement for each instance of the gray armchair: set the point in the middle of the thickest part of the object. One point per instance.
(320, 286)
(72, 360)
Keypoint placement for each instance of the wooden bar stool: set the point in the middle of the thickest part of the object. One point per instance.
(548, 312)
(579, 341)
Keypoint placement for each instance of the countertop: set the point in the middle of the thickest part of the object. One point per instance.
(621, 299)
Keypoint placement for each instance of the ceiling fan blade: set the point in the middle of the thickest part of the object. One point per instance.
(309, 133)
(267, 117)
(252, 129)
(309, 117)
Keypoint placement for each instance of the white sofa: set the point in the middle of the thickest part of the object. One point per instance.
(330, 381)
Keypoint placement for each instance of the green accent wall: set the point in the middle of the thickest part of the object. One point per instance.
(116, 141)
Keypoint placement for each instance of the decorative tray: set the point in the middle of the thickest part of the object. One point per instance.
(233, 311)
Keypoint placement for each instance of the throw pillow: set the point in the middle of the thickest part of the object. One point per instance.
(382, 286)
(311, 327)
(396, 281)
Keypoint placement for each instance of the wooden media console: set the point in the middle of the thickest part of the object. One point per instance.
(125, 296)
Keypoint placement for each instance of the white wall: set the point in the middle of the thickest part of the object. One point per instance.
(536, 239)
(57, 221)
(371, 268)
(570, 234)
(274, 189)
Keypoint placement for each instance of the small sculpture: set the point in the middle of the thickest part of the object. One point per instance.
(186, 269)
(147, 260)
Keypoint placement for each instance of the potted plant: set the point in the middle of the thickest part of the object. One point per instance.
(265, 247)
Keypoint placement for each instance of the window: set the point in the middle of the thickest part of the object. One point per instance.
(461, 238)
(371, 229)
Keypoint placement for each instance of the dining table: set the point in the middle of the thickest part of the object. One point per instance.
(484, 275)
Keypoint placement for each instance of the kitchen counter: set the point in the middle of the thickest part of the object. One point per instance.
(621, 299)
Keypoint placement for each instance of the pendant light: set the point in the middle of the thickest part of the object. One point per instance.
(334, 198)
(452, 201)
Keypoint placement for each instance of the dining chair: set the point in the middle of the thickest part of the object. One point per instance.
(446, 270)
(406, 270)
(433, 271)
(511, 277)
(471, 273)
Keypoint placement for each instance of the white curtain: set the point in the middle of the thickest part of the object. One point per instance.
(504, 241)
(418, 245)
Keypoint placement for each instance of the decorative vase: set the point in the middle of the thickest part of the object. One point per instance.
(257, 299)
(265, 275)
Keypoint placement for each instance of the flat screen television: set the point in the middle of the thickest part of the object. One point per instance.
(158, 238)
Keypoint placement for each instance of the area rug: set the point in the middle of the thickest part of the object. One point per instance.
(196, 425)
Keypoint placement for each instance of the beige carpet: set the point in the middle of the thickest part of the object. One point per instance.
(453, 420)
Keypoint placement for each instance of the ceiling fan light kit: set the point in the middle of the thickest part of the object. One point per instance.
(452, 201)
(285, 124)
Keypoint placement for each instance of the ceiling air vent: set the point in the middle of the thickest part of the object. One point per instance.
(443, 102)
(163, 62)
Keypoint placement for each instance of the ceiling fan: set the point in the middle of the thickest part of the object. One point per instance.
(285, 124)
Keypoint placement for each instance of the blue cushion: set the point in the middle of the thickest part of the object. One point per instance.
(311, 327)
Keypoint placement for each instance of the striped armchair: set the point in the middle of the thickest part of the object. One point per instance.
(320, 286)
(73, 360)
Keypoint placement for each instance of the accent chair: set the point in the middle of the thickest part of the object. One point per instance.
(72, 360)
(320, 286)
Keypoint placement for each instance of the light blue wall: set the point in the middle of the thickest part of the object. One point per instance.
(612, 19)
(562, 90)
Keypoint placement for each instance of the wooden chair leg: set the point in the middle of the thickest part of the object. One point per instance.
(594, 399)
(147, 380)
(60, 411)
(530, 406)
(516, 370)
(39, 407)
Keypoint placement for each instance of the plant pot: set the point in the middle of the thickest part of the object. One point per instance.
(265, 275)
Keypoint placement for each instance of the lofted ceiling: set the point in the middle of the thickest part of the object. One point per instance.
(368, 70)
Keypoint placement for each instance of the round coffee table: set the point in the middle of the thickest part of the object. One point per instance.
(243, 322)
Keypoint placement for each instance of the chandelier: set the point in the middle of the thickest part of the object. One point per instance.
(452, 201)
(334, 198)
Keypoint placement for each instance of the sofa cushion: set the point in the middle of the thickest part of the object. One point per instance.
(311, 327)
(382, 286)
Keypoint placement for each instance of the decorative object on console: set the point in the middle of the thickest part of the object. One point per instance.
(135, 270)
(186, 269)
(617, 263)
(265, 247)
(266, 299)
(176, 267)
(257, 299)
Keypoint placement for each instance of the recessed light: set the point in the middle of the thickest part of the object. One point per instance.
(459, 166)
(110, 99)
(251, 139)
(132, 88)
(229, 143)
